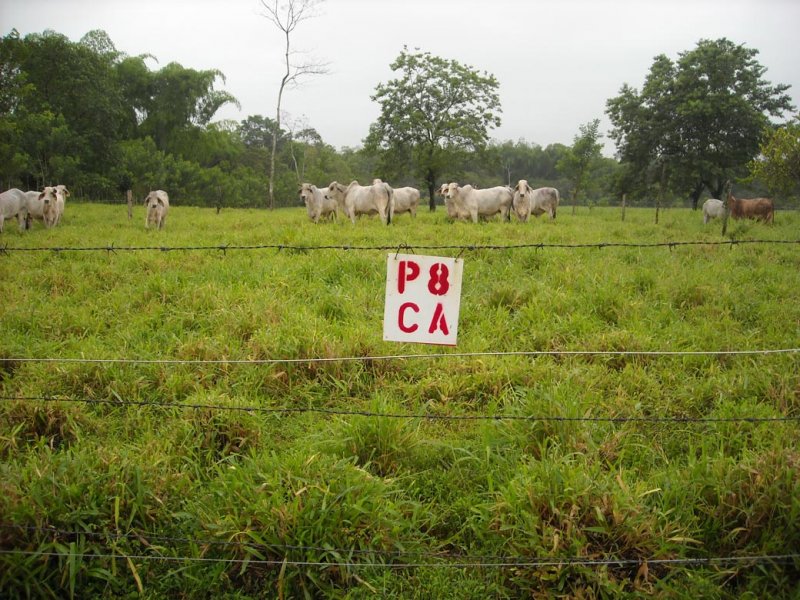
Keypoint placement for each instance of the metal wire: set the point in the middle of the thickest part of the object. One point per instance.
(426, 416)
(522, 562)
(387, 357)
(461, 248)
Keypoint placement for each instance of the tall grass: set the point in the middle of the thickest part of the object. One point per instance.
(116, 499)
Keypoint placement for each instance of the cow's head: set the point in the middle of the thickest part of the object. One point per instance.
(153, 202)
(63, 189)
(48, 196)
(451, 191)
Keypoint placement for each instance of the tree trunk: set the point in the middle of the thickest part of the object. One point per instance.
(661, 184)
(575, 200)
(277, 127)
(695, 195)
(431, 181)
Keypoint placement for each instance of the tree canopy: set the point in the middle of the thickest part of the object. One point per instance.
(432, 113)
(698, 119)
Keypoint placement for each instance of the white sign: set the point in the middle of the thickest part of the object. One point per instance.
(423, 297)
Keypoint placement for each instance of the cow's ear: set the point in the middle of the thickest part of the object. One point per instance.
(516, 187)
(66, 191)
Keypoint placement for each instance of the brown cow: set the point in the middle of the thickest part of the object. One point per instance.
(760, 209)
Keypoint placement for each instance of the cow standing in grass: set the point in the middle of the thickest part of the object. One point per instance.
(157, 204)
(13, 203)
(480, 203)
(529, 201)
(355, 199)
(317, 205)
(760, 209)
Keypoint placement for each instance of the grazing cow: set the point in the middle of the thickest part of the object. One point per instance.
(13, 203)
(480, 203)
(760, 209)
(406, 199)
(356, 199)
(317, 205)
(529, 201)
(713, 209)
(157, 203)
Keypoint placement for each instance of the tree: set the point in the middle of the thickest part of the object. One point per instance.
(436, 110)
(577, 164)
(778, 163)
(287, 17)
(698, 120)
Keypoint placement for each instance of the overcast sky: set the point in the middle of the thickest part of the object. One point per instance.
(557, 61)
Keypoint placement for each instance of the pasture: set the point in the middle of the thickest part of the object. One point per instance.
(470, 476)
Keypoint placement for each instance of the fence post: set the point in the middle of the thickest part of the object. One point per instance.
(129, 197)
(624, 198)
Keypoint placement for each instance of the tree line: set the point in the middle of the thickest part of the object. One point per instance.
(87, 114)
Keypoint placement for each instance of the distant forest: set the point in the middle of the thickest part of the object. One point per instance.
(90, 116)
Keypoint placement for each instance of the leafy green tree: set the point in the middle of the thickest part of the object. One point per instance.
(582, 158)
(778, 163)
(181, 99)
(435, 111)
(697, 120)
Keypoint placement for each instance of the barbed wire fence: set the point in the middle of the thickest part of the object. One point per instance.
(461, 248)
(433, 559)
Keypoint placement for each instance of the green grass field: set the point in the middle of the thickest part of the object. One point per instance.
(306, 479)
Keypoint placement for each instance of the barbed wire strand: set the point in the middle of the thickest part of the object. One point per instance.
(535, 563)
(388, 357)
(111, 248)
(425, 416)
(147, 537)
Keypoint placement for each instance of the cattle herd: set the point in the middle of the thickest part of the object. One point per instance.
(461, 202)
(48, 206)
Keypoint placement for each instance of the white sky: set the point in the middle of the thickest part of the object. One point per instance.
(557, 61)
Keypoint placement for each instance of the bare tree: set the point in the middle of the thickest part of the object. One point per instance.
(286, 16)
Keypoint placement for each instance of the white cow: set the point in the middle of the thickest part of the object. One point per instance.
(529, 201)
(43, 205)
(61, 200)
(356, 199)
(405, 199)
(713, 209)
(450, 205)
(13, 203)
(316, 203)
(157, 203)
(480, 203)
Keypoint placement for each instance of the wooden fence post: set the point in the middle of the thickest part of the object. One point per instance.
(624, 198)
(129, 197)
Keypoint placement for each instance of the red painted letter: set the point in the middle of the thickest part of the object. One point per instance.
(400, 322)
(403, 276)
(438, 321)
